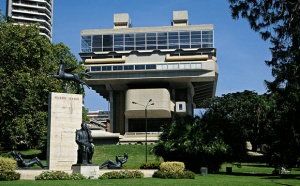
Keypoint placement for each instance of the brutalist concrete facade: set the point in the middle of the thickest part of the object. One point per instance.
(153, 71)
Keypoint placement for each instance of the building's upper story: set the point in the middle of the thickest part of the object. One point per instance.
(26, 12)
(125, 39)
(123, 57)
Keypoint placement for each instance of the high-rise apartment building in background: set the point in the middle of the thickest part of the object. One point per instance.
(158, 71)
(26, 12)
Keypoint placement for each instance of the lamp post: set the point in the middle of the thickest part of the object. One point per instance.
(145, 106)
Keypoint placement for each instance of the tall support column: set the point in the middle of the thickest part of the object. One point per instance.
(189, 104)
(111, 115)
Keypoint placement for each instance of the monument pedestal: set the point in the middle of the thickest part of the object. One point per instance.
(90, 171)
(65, 116)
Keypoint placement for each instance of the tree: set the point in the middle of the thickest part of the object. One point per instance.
(193, 142)
(26, 62)
(278, 21)
(242, 117)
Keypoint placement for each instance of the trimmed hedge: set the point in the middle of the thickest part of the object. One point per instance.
(7, 164)
(172, 167)
(122, 175)
(150, 165)
(178, 175)
(59, 175)
(9, 175)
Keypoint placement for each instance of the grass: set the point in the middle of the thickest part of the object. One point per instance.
(249, 174)
(208, 180)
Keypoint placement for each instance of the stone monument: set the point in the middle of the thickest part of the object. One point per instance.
(65, 116)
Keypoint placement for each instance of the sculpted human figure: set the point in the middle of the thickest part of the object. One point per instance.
(22, 163)
(115, 165)
(66, 74)
(85, 145)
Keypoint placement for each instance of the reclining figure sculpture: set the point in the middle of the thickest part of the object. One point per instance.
(115, 165)
(23, 164)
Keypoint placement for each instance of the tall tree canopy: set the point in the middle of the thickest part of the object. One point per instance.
(26, 62)
(278, 21)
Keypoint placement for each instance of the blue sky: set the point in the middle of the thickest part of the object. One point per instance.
(240, 51)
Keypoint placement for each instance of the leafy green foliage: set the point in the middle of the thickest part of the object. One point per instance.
(26, 62)
(7, 164)
(150, 165)
(278, 21)
(9, 176)
(172, 167)
(193, 142)
(59, 175)
(122, 175)
(174, 175)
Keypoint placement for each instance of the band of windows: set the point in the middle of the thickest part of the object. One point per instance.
(147, 41)
(172, 66)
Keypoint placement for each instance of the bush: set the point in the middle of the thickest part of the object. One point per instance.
(7, 164)
(178, 175)
(59, 175)
(122, 175)
(172, 167)
(150, 165)
(9, 175)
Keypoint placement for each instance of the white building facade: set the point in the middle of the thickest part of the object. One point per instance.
(26, 12)
(150, 73)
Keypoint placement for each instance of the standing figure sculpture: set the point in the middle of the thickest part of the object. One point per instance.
(115, 165)
(65, 74)
(23, 164)
(85, 146)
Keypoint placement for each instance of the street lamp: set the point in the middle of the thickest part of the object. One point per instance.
(145, 106)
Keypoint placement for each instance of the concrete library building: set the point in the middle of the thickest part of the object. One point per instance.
(150, 73)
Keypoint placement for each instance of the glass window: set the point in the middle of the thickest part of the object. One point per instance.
(173, 40)
(162, 40)
(140, 41)
(116, 68)
(107, 42)
(139, 67)
(150, 41)
(86, 43)
(184, 39)
(128, 67)
(118, 42)
(106, 68)
(129, 41)
(96, 68)
(150, 66)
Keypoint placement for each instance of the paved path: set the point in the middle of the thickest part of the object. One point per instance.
(29, 174)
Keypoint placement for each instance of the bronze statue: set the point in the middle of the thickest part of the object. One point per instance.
(115, 165)
(85, 146)
(65, 74)
(23, 164)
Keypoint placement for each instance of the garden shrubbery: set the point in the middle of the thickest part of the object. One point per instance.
(122, 175)
(7, 169)
(175, 170)
(150, 165)
(181, 175)
(59, 175)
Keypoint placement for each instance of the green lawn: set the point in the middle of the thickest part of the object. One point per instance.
(248, 174)
(208, 180)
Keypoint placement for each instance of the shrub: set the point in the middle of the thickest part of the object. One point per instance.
(172, 167)
(150, 165)
(7, 164)
(59, 175)
(122, 175)
(170, 175)
(9, 175)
